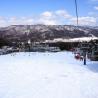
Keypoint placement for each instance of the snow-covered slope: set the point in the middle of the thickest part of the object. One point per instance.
(47, 75)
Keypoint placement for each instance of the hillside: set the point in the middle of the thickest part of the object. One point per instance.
(45, 32)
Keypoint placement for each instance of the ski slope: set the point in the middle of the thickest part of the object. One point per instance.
(47, 75)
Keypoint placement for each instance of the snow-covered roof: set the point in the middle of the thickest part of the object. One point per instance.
(84, 39)
(81, 39)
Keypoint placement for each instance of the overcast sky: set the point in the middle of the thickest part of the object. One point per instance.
(51, 12)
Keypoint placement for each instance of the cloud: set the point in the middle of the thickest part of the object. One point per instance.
(21, 20)
(16, 21)
(63, 13)
(47, 14)
(84, 21)
(47, 21)
(47, 18)
(96, 7)
(3, 22)
(59, 17)
(63, 17)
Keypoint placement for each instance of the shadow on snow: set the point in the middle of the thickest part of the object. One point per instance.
(93, 66)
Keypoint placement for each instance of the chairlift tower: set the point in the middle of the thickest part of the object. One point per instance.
(77, 21)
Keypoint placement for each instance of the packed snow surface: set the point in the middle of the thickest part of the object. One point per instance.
(47, 75)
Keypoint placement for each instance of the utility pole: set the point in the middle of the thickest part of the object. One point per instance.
(84, 57)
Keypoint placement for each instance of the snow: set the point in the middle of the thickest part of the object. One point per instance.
(47, 75)
(84, 39)
(80, 39)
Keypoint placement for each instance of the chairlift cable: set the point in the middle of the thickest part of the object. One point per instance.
(76, 6)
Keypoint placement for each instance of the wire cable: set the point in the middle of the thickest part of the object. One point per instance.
(76, 6)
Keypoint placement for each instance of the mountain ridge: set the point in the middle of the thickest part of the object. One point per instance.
(46, 32)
